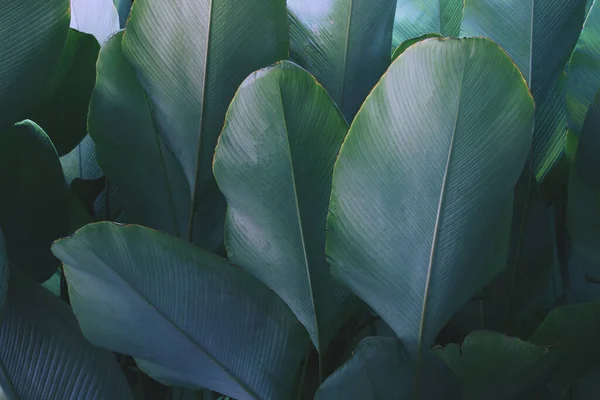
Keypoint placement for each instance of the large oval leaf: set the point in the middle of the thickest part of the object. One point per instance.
(345, 44)
(538, 35)
(381, 369)
(274, 164)
(416, 18)
(32, 37)
(583, 77)
(33, 205)
(43, 354)
(212, 325)
(190, 75)
(422, 191)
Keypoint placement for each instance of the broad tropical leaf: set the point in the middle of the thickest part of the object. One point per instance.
(493, 366)
(43, 354)
(539, 36)
(274, 164)
(422, 190)
(549, 136)
(32, 37)
(123, 8)
(96, 17)
(33, 205)
(583, 76)
(70, 90)
(407, 43)
(345, 44)
(380, 368)
(416, 18)
(123, 279)
(176, 109)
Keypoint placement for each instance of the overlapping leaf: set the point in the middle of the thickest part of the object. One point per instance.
(213, 325)
(583, 76)
(43, 354)
(345, 44)
(274, 164)
(380, 368)
(423, 187)
(416, 18)
(539, 36)
(186, 80)
(33, 204)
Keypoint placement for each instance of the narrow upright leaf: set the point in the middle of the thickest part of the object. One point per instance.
(583, 76)
(345, 44)
(212, 325)
(380, 368)
(274, 164)
(538, 35)
(416, 18)
(32, 37)
(33, 204)
(422, 190)
(44, 355)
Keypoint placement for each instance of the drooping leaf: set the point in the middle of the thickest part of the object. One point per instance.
(422, 190)
(32, 37)
(539, 36)
(44, 355)
(176, 109)
(407, 43)
(493, 366)
(124, 279)
(550, 134)
(583, 76)
(33, 205)
(274, 164)
(416, 18)
(96, 17)
(345, 44)
(380, 369)
(63, 115)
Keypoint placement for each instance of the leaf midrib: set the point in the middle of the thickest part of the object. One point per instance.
(173, 324)
(299, 219)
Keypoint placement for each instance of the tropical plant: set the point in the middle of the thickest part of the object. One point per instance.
(301, 199)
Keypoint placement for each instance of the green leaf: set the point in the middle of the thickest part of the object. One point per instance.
(212, 325)
(32, 37)
(96, 17)
(189, 77)
(550, 134)
(70, 92)
(416, 18)
(538, 36)
(4, 276)
(583, 76)
(345, 44)
(43, 354)
(407, 43)
(381, 369)
(422, 190)
(33, 205)
(563, 349)
(493, 366)
(274, 164)
(123, 8)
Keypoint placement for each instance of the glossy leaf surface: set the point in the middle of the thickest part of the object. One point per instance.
(380, 367)
(538, 36)
(423, 187)
(123, 279)
(415, 18)
(274, 164)
(43, 354)
(345, 44)
(33, 205)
